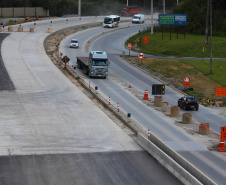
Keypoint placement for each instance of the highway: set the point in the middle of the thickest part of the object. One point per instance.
(51, 133)
(116, 87)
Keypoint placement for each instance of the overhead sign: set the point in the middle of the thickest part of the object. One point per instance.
(141, 55)
(186, 79)
(158, 89)
(173, 19)
(129, 46)
(223, 133)
(220, 91)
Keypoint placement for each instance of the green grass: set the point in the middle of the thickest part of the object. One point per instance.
(218, 69)
(191, 46)
(11, 22)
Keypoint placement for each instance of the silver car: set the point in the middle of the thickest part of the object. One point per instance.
(74, 43)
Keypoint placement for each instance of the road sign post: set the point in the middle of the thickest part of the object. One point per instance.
(141, 55)
(129, 47)
(186, 81)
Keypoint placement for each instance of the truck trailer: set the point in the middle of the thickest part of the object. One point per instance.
(96, 65)
(130, 11)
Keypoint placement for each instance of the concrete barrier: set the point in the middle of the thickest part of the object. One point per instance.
(32, 29)
(179, 172)
(10, 29)
(20, 29)
(165, 107)
(49, 30)
(204, 128)
(172, 161)
(187, 118)
(175, 111)
(158, 101)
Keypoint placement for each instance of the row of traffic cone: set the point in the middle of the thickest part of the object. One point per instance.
(145, 93)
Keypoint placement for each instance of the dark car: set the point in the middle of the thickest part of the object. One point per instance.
(188, 102)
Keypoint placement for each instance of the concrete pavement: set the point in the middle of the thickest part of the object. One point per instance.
(46, 113)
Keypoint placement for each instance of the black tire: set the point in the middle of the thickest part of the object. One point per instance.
(184, 107)
(178, 105)
(86, 71)
(79, 65)
(197, 109)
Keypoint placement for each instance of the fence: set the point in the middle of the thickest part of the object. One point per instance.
(24, 12)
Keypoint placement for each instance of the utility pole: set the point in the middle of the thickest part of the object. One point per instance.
(127, 2)
(151, 17)
(164, 7)
(177, 2)
(211, 36)
(207, 21)
(79, 8)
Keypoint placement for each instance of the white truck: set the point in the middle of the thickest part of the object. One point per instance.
(96, 65)
(138, 18)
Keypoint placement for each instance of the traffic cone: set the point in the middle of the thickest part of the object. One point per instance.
(130, 85)
(221, 147)
(146, 95)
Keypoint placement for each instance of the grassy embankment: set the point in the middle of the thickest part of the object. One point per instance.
(202, 81)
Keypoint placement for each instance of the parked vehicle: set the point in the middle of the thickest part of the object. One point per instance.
(130, 11)
(188, 102)
(74, 43)
(138, 18)
(96, 65)
(111, 21)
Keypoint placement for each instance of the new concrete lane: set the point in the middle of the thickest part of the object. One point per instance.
(47, 114)
(52, 111)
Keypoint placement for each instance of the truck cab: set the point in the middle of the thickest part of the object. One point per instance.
(98, 64)
(130, 11)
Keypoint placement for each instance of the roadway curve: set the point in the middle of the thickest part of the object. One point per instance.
(116, 86)
(51, 133)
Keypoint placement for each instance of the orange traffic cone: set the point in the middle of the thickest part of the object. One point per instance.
(130, 85)
(146, 95)
(221, 147)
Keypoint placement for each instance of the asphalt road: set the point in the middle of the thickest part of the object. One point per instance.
(104, 168)
(51, 133)
(5, 81)
(116, 86)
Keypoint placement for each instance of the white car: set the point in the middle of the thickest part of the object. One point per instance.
(74, 43)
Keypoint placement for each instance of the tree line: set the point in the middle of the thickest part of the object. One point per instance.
(89, 7)
(195, 9)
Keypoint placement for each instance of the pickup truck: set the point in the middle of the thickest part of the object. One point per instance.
(96, 65)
